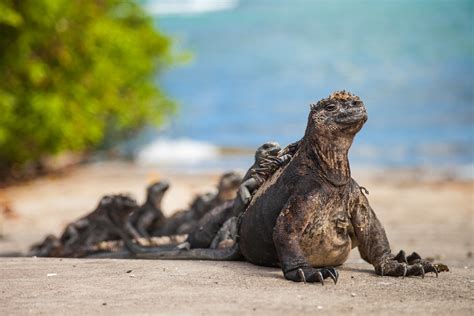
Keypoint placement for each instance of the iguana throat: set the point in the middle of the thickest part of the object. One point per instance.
(330, 158)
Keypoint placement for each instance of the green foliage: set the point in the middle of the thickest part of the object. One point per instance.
(74, 74)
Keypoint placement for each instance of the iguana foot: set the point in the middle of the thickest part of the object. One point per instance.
(412, 265)
(275, 162)
(312, 275)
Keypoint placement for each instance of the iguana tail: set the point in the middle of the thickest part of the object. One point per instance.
(229, 254)
(166, 253)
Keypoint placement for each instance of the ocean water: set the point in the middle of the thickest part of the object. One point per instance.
(258, 64)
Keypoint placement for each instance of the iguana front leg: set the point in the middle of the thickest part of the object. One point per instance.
(137, 233)
(227, 234)
(72, 234)
(375, 248)
(286, 236)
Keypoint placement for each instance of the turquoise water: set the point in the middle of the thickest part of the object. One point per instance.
(257, 67)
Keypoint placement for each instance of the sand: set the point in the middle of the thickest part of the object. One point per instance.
(432, 215)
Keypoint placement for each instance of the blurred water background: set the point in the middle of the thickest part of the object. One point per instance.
(258, 64)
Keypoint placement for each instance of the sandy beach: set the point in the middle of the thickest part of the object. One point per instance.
(431, 215)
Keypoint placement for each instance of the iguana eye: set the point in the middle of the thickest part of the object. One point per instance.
(330, 107)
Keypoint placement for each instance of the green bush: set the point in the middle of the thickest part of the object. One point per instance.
(74, 74)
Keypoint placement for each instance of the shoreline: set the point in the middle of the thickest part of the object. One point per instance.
(186, 154)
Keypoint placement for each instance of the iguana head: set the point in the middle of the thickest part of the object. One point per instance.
(228, 185)
(155, 192)
(118, 207)
(332, 125)
(341, 114)
(266, 150)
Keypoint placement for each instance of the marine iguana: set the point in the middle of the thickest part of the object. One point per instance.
(85, 233)
(150, 215)
(265, 165)
(309, 214)
(212, 228)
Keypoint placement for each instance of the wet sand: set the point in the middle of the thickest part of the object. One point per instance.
(431, 215)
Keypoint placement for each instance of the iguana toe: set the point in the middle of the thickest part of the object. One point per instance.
(413, 257)
(405, 270)
(333, 274)
(312, 275)
(301, 275)
(422, 271)
(441, 267)
(416, 270)
(319, 277)
(401, 257)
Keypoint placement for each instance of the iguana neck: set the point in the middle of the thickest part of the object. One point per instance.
(330, 158)
(149, 201)
(156, 204)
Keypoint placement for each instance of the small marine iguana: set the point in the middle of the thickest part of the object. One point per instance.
(309, 214)
(150, 215)
(84, 234)
(212, 229)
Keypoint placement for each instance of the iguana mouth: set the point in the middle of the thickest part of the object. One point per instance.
(159, 187)
(359, 115)
(163, 186)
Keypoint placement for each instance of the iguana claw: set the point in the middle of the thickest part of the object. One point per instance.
(312, 275)
(301, 275)
(320, 278)
(422, 270)
(333, 277)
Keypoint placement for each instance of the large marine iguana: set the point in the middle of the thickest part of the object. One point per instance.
(309, 215)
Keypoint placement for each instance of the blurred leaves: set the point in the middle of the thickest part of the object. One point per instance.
(74, 74)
